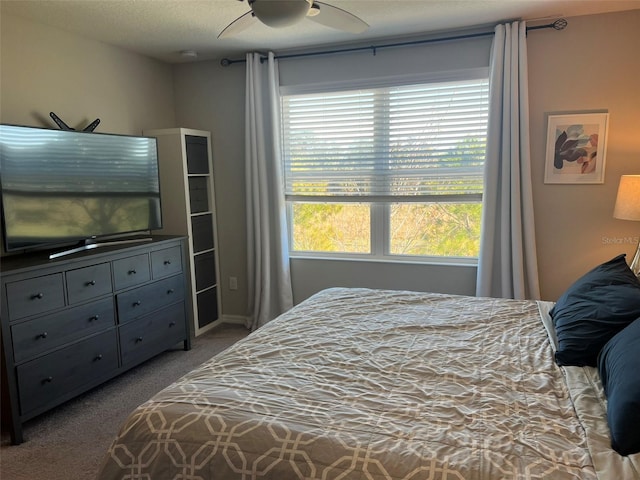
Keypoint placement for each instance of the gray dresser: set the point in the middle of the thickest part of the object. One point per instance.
(72, 323)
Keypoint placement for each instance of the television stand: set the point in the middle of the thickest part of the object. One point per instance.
(89, 245)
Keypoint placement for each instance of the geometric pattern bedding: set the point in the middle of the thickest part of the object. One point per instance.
(368, 384)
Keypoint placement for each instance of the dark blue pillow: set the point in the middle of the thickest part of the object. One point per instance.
(619, 366)
(592, 310)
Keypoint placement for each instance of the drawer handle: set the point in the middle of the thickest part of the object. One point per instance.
(94, 318)
(98, 357)
(91, 283)
(167, 262)
(138, 340)
(47, 380)
(172, 324)
(137, 303)
(170, 291)
(132, 272)
(43, 335)
(37, 296)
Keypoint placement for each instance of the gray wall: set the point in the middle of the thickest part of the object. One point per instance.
(592, 65)
(46, 69)
(211, 97)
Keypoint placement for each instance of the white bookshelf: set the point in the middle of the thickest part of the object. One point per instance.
(188, 208)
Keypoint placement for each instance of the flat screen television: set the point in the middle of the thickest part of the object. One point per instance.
(65, 187)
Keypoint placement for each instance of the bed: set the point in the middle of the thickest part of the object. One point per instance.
(376, 384)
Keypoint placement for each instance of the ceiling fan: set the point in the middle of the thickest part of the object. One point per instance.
(282, 13)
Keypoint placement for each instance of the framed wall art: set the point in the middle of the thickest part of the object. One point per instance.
(576, 148)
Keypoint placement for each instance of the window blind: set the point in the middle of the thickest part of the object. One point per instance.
(406, 143)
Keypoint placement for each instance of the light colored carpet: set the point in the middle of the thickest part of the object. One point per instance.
(70, 441)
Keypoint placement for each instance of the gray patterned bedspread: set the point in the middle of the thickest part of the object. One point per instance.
(368, 384)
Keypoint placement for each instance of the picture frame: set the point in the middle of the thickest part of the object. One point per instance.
(576, 148)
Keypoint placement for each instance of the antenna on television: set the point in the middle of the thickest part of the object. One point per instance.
(63, 126)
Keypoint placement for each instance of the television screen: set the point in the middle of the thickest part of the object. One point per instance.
(64, 187)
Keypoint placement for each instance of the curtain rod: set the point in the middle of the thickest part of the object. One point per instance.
(559, 24)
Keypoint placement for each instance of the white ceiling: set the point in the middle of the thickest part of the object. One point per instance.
(163, 28)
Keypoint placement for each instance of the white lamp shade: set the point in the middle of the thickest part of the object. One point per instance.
(628, 200)
(280, 13)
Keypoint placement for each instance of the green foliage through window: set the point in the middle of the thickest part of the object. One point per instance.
(331, 227)
(435, 229)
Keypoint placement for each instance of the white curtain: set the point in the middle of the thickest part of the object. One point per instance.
(268, 274)
(507, 266)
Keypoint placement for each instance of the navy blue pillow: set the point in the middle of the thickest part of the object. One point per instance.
(592, 310)
(619, 366)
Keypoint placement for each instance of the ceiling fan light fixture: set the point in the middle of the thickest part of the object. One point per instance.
(280, 13)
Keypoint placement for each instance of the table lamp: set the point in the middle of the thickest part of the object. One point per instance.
(628, 208)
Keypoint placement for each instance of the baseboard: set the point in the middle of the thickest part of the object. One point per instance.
(233, 319)
(236, 319)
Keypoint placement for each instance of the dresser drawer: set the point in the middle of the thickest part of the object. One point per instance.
(57, 375)
(131, 271)
(88, 282)
(143, 300)
(35, 295)
(166, 262)
(152, 334)
(36, 336)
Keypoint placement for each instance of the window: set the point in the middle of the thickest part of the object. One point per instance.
(389, 171)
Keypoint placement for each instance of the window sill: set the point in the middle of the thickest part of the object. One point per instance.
(365, 258)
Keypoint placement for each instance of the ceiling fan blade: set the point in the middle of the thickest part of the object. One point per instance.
(238, 25)
(339, 19)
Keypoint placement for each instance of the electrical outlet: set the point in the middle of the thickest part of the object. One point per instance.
(233, 283)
